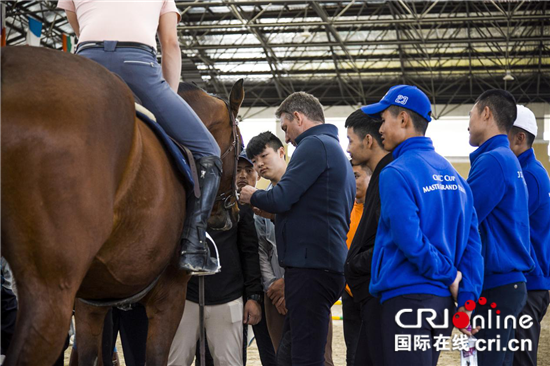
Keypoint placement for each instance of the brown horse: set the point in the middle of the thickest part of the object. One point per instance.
(91, 205)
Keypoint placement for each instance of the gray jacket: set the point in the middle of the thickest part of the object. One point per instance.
(269, 260)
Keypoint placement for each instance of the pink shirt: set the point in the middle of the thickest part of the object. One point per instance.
(121, 20)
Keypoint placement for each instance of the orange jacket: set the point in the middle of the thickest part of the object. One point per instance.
(356, 215)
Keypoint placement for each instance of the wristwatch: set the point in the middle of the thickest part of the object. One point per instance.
(256, 297)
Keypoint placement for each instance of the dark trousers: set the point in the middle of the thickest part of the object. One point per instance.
(369, 344)
(132, 325)
(352, 326)
(108, 340)
(392, 332)
(309, 295)
(510, 300)
(263, 341)
(536, 306)
(9, 314)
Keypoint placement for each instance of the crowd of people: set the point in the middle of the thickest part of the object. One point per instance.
(420, 237)
(394, 231)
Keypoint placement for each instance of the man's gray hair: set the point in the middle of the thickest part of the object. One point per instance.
(304, 103)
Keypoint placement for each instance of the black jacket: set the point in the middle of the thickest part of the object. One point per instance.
(357, 268)
(240, 273)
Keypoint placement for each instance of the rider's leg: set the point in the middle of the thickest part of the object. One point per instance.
(140, 70)
(195, 254)
(143, 74)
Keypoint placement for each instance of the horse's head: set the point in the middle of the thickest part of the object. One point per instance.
(220, 118)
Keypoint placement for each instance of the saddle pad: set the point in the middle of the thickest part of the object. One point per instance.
(170, 147)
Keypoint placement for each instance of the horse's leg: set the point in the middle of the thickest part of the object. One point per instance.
(40, 330)
(164, 306)
(89, 331)
(49, 267)
(48, 278)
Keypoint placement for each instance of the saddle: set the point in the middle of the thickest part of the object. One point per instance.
(182, 156)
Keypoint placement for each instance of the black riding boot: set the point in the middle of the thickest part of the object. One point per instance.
(195, 255)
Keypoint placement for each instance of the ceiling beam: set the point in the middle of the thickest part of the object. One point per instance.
(337, 23)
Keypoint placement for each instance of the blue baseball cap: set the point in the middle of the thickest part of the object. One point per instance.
(243, 156)
(405, 96)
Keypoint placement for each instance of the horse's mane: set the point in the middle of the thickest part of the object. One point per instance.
(190, 87)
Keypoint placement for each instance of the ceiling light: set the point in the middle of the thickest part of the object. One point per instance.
(305, 33)
(508, 76)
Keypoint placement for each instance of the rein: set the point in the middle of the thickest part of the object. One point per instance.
(225, 197)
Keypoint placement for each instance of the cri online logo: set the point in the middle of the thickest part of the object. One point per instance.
(462, 320)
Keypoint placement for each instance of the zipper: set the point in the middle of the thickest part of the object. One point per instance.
(140, 62)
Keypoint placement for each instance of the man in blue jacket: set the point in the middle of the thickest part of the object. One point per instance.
(500, 199)
(521, 138)
(312, 203)
(427, 248)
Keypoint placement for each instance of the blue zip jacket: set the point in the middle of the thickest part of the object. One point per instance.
(500, 199)
(538, 186)
(313, 202)
(427, 228)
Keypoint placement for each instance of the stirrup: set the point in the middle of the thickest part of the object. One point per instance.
(218, 266)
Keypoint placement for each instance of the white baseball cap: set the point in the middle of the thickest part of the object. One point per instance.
(526, 120)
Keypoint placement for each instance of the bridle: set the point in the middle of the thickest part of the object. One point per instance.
(225, 197)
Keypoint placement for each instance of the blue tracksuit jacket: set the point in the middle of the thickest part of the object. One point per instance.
(538, 186)
(500, 199)
(428, 227)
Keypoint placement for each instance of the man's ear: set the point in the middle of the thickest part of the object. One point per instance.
(486, 113)
(281, 152)
(519, 138)
(367, 141)
(406, 120)
(299, 117)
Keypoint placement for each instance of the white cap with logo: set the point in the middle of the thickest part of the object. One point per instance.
(526, 120)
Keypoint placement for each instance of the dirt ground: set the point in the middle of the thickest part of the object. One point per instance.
(447, 358)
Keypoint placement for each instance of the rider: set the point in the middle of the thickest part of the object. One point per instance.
(121, 36)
